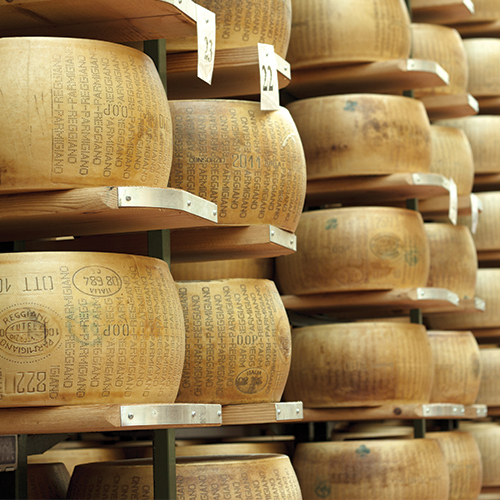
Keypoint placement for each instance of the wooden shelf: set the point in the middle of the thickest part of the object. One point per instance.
(488, 258)
(489, 29)
(381, 77)
(110, 20)
(494, 411)
(441, 11)
(439, 207)
(374, 304)
(489, 105)
(450, 106)
(487, 335)
(262, 413)
(236, 73)
(100, 210)
(486, 182)
(368, 190)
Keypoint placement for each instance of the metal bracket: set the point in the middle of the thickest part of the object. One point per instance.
(480, 304)
(428, 67)
(282, 238)
(443, 410)
(174, 414)
(430, 180)
(8, 453)
(289, 411)
(438, 294)
(472, 102)
(481, 411)
(283, 66)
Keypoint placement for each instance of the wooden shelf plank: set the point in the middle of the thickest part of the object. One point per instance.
(489, 105)
(487, 182)
(494, 411)
(487, 335)
(367, 190)
(236, 73)
(441, 11)
(101, 210)
(439, 206)
(110, 20)
(476, 411)
(260, 413)
(450, 106)
(489, 29)
(382, 77)
(374, 303)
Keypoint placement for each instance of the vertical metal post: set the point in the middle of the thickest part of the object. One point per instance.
(157, 50)
(419, 427)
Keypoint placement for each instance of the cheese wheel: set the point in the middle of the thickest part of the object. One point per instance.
(453, 258)
(47, 481)
(464, 463)
(245, 25)
(238, 342)
(348, 249)
(80, 113)
(85, 328)
(445, 46)
(487, 236)
(223, 269)
(451, 156)
(327, 32)
(483, 133)
(362, 134)
(487, 436)
(457, 367)
(360, 364)
(372, 470)
(202, 478)
(483, 55)
(489, 390)
(488, 288)
(249, 162)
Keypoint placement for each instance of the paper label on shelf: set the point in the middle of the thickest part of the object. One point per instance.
(269, 89)
(474, 208)
(205, 26)
(453, 210)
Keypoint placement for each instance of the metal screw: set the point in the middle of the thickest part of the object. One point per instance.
(214, 212)
(154, 413)
(128, 198)
(462, 410)
(207, 21)
(272, 233)
(478, 411)
(278, 411)
(219, 413)
(291, 241)
(427, 410)
(455, 409)
(297, 411)
(417, 178)
(189, 203)
(130, 416)
(421, 293)
(193, 414)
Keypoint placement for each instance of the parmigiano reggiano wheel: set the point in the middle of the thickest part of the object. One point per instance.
(488, 288)
(483, 55)
(483, 133)
(80, 113)
(487, 236)
(487, 436)
(327, 32)
(47, 481)
(453, 258)
(451, 156)
(457, 367)
(245, 25)
(249, 162)
(360, 364)
(489, 390)
(445, 46)
(362, 134)
(372, 470)
(223, 269)
(464, 463)
(85, 327)
(347, 249)
(238, 342)
(201, 478)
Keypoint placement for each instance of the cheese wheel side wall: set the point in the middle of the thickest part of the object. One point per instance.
(373, 248)
(85, 328)
(487, 236)
(75, 113)
(483, 56)
(362, 134)
(360, 364)
(489, 390)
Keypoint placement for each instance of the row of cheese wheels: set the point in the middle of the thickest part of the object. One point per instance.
(444, 466)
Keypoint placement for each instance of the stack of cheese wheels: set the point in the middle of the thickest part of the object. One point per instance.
(457, 367)
(223, 269)
(488, 288)
(487, 237)
(47, 481)
(489, 390)
(445, 46)
(249, 162)
(464, 463)
(453, 258)
(83, 110)
(372, 470)
(330, 32)
(483, 133)
(348, 249)
(238, 342)
(483, 55)
(85, 327)
(487, 436)
(238, 25)
(451, 156)
(198, 478)
(360, 364)
(362, 134)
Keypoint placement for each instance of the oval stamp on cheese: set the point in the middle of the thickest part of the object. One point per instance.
(386, 246)
(97, 281)
(251, 381)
